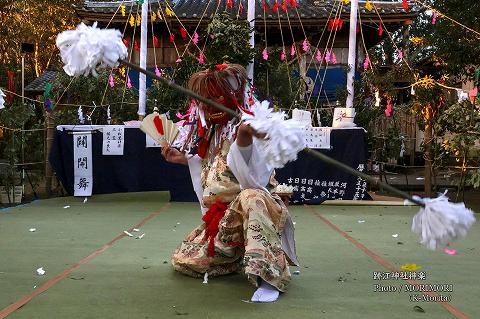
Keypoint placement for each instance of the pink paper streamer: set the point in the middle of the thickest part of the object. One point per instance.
(157, 71)
(366, 63)
(265, 54)
(195, 38)
(111, 81)
(305, 45)
(327, 56)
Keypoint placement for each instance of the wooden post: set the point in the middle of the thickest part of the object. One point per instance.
(49, 136)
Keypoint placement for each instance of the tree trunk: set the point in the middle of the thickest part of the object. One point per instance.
(427, 141)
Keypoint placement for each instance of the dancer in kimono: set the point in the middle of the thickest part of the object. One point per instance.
(245, 227)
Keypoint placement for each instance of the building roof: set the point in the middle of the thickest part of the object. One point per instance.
(309, 11)
(38, 85)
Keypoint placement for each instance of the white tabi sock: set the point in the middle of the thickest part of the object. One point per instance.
(265, 293)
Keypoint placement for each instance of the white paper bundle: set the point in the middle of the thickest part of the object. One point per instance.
(441, 222)
(159, 128)
(86, 48)
(285, 138)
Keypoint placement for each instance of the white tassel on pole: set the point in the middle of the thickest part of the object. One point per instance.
(285, 138)
(441, 222)
(87, 48)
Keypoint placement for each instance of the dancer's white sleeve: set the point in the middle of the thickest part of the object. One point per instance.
(250, 172)
(195, 168)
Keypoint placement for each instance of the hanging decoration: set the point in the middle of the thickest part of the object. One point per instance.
(265, 54)
(334, 58)
(172, 38)
(81, 118)
(240, 8)
(159, 15)
(275, 7)
(122, 9)
(2, 101)
(434, 17)
(111, 81)
(229, 4)
(293, 3)
(368, 6)
(389, 109)
(305, 45)
(109, 118)
(131, 21)
(129, 82)
(153, 16)
(366, 63)
(201, 58)
(157, 71)
(156, 42)
(380, 30)
(293, 51)
(195, 38)
(335, 24)
(183, 33)
(319, 56)
(327, 56)
(265, 6)
(125, 41)
(136, 47)
(138, 20)
(284, 6)
(283, 55)
(400, 54)
(405, 5)
(169, 12)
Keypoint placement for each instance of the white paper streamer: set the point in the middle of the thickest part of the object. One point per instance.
(285, 138)
(87, 48)
(441, 222)
(2, 100)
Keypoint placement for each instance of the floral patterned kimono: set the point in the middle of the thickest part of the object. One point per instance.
(243, 230)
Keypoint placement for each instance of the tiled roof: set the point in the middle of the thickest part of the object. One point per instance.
(307, 9)
(38, 85)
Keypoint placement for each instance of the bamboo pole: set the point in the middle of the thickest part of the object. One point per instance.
(314, 153)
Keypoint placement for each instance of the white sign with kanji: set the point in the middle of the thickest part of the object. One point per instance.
(318, 137)
(113, 139)
(82, 163)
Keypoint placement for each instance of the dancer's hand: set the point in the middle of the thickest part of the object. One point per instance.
(172, 155)
(246, 133)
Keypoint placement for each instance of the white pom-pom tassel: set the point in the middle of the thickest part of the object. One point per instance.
(285, 138)
(87, 48)
(441, 222)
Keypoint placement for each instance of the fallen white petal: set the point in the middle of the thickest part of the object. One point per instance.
(68, 206)
(127, 233)
(178, 223)
(32, 230)
(205, 278)
(40, 271)
(141, 236)
(395, 235)
(136, 229)
(361, 221)
(85, 200)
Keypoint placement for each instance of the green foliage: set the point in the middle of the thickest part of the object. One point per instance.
(88, 91)
(229, 41)
(474, 179)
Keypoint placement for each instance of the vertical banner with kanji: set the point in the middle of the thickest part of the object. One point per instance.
(82, 163)
(113, 139)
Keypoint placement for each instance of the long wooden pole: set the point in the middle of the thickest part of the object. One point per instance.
(317, 154)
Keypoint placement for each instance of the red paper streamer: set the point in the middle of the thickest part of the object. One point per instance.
(183, 33)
